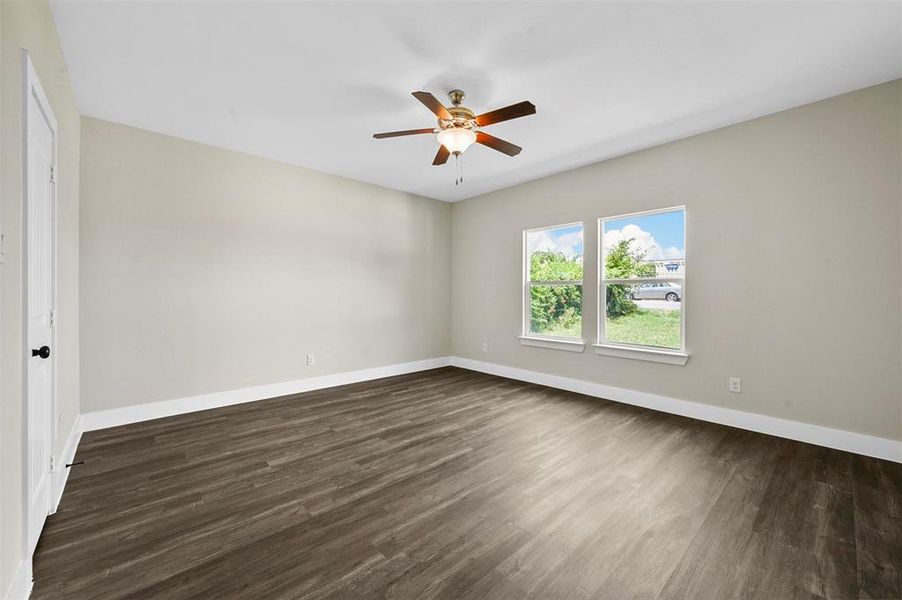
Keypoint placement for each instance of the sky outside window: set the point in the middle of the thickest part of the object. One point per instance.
(658, 236)
(565, 240)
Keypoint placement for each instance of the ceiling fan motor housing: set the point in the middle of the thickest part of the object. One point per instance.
(463, 117)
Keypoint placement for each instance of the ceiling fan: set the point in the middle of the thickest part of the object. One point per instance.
(458, 126)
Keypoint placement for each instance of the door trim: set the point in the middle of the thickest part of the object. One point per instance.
(31, 87)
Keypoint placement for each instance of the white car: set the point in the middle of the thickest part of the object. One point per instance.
(657, 291)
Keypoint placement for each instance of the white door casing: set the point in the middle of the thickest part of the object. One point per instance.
(40, 140)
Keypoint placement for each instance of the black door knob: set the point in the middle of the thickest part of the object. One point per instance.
(43, 352)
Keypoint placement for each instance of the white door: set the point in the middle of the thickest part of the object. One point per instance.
(39, 265)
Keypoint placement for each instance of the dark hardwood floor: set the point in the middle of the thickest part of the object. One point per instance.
(454, 484)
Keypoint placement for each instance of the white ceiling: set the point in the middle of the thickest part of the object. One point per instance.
(309, 83)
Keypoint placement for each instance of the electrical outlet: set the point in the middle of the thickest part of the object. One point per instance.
(735, 385)
(485, 346)
(311, 359)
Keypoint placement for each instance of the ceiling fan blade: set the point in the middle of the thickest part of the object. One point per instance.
(497, 144)
(433, 104)
(389, 134)
(441, 157)
(514, 111)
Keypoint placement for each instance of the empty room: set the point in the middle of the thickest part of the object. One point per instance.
(450, 300)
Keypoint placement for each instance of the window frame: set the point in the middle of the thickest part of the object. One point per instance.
(640, 351)
(527, 337)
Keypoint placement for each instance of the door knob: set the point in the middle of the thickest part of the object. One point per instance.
(43, 351)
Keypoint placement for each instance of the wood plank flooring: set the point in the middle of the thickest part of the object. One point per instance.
(454, 484)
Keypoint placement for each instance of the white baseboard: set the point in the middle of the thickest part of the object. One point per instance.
(794, 430)
(166, 408)
(20, 586)
(60, 473)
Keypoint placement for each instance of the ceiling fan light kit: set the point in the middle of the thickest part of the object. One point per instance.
(456, 139)
(459, 127)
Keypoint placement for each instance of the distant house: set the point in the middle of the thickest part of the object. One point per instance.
(669, 268)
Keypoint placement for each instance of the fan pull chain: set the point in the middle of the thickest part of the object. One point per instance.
(460, 168)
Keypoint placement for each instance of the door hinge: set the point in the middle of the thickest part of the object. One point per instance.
(52, 317)
(52, 173)
(51, 463)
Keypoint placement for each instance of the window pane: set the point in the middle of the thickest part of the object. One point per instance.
(556, 310)
(555, 254)
(645, 245)
(648, 315)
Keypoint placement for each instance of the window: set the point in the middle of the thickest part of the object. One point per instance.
(642, 280)
(553, 289)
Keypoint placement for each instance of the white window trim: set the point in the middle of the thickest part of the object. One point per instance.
(553, 342)
(659, 355)
(566, 344)
(674, 356)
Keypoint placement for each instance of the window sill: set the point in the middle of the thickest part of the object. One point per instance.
(567, 345)
(670, 357)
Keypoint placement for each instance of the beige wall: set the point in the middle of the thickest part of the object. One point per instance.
(29, 24)
(793, 267)
(207, 270)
